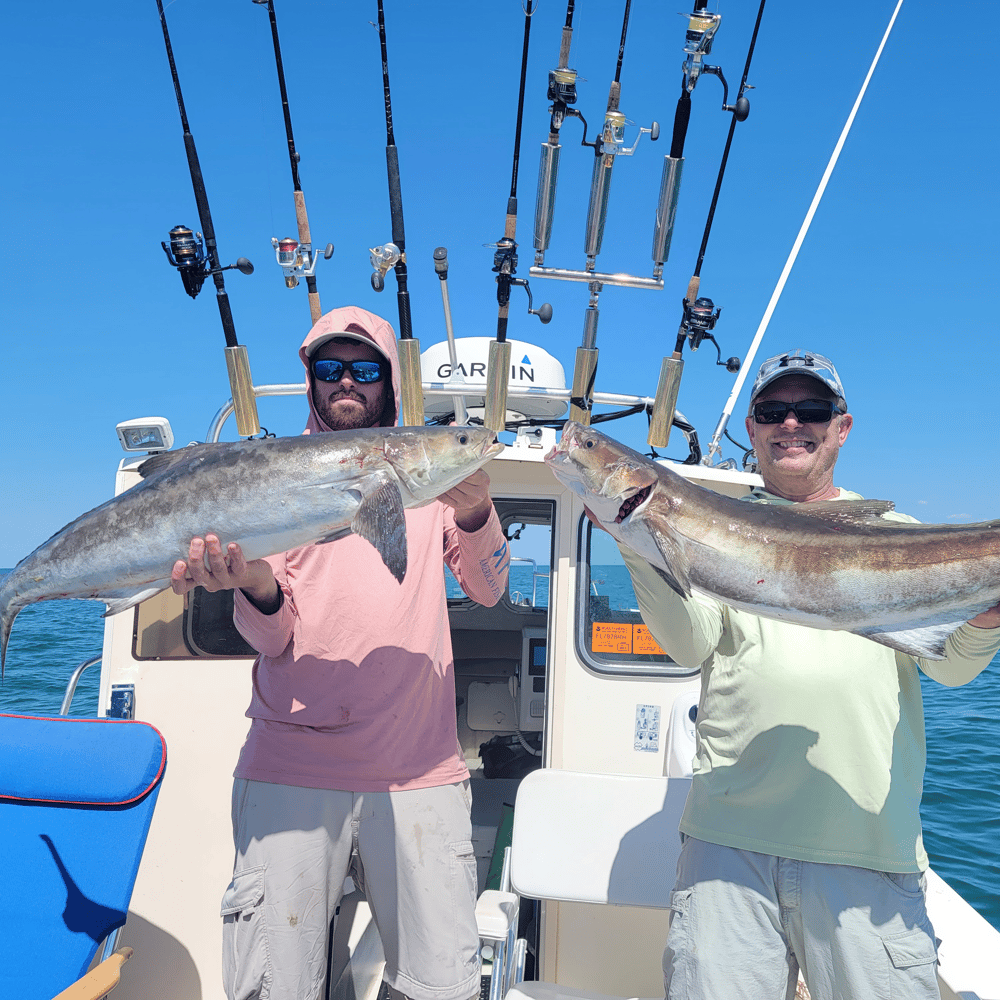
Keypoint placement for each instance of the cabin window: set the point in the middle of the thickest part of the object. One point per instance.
(168, 627)
(527, 526)
(611, 635)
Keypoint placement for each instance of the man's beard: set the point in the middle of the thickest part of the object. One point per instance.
(368, 414)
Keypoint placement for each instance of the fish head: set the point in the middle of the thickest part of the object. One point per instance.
(429, 461)
(611, 479)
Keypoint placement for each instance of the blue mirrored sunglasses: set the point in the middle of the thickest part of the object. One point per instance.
(363, 372)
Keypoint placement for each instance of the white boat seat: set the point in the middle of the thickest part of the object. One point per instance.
(590, 838)
(594, 838)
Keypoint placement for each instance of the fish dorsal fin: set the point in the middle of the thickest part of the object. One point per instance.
(675, 574)
(845, 511)
(927, 640)
(165, 460)
(380, 521)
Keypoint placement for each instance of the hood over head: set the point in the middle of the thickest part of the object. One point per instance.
(360, 325)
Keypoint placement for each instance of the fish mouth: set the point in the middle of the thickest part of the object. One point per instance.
(636, 500)
(491, 448)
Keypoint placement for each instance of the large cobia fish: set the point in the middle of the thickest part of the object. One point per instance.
(269, 495)
(829, 565)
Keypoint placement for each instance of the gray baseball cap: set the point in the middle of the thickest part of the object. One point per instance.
(799, 362)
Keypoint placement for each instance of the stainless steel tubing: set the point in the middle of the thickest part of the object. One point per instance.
(545, 198)
(71, 686)
(621, 279)
(666, 210)
(590, 317)
(665, 402)
(597, 211)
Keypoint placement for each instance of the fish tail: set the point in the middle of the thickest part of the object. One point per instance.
(9, 607)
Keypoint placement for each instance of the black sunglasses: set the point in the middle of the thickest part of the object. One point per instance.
(807, 411)
(363, 372)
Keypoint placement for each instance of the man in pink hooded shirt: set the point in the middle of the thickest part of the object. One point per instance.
(352, 763)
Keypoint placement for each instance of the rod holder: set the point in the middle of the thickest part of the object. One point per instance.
(666, 211)
(497, 375)
(583, 384)
(545, 198)
(241, 385)
(665, 402)
(410, 388)
(597, 211)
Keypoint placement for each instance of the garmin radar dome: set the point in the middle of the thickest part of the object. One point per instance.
(533, 372)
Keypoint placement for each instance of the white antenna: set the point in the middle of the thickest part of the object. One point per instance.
(714, 447)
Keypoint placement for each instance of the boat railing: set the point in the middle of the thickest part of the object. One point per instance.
(73, 681)
(535, 575)
(448, 390)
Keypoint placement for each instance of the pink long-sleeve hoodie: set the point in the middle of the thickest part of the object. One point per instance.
(354, 687)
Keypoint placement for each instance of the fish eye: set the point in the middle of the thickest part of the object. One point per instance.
(463, 438)
(589, 443)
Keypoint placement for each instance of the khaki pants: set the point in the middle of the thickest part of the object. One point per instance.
(410, 851)
(742, 925)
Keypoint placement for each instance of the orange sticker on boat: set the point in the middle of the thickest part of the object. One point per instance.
(611, 637)
(643, 642)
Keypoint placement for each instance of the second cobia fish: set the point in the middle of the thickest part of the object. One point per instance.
(829, 565)
(268, 495)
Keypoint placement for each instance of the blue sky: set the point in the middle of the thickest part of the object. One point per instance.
(895, 280)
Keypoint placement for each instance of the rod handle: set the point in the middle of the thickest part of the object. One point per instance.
(241, 384)
(302, 218)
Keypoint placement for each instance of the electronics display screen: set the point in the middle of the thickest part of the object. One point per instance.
(536, 657)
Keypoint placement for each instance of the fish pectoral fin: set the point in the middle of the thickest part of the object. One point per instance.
(675, 573)
(334, 536)
(118, 601)
(846, 511)
(926, 640)
(380, 521)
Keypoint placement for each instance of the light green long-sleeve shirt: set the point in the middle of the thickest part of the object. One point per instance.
(810, 743)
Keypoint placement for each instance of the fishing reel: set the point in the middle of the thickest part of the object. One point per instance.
(611, 142)
(699, 321)
(702, 27)
(505, 264)
(701, 30)
(383, 259)
(297, 260)
(187, 253)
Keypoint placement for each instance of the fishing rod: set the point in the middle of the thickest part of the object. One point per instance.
(562, 93)
(394, 255)
(505, 266)
(607, 147)
(296, 258)
(196, 261)
(715, 444)
(699, 314)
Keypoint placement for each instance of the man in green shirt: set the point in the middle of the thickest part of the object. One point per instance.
(802, 842)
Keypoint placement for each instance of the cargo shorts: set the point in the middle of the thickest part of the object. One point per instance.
(743, 925)
(411, 852)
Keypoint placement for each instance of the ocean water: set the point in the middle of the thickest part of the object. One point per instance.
(961, 803)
